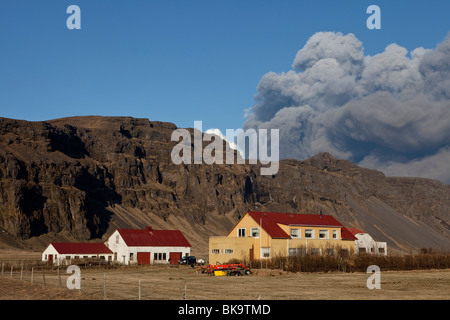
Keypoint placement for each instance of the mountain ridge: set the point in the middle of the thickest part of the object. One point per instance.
(79, 178)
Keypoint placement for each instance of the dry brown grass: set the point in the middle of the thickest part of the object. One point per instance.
(169, 283)
(178, 283)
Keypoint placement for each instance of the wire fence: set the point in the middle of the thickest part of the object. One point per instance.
(101, 283)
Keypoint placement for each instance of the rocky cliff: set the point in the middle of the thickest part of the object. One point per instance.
(80, 178)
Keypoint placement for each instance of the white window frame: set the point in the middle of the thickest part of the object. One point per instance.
(265, 251)
(335, 234)
(325, 232)
(253, 231)
(309, 231)
(301, 251)
(242, 232)
(297, 231)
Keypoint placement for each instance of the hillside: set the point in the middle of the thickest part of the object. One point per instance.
(79, 178)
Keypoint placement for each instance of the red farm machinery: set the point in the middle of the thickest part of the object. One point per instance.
(229, 269)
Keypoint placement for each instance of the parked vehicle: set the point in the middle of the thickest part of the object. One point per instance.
(190, 260)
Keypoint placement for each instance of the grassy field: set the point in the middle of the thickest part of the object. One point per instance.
(179, 283)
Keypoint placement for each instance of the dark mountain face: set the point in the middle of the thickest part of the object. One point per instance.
(83, 177)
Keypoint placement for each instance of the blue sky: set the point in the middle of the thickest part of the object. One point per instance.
(178, 61)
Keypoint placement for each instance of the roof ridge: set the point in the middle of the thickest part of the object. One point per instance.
(151, 237)
(271, 220)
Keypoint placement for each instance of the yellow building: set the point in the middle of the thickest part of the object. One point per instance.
(263, 235)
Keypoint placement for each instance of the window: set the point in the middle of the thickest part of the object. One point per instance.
(331, 252)
(309, 233)
(295, 233)
(297, 251)
(265, 252)
(255, 232)
(228, 251)
(335, 234)
(316, 251)
(323, 234)
(241, 232)
(159, 256)
(215, 251)
(131, 256)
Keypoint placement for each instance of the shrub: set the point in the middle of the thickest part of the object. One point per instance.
(347, 262)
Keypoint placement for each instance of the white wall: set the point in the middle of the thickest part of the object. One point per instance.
(120, 250)
(67, 259)
(371, 246)
(50, 250)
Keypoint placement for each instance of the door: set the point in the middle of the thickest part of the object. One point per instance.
(174, 257)
(143, 258)
(50, 258)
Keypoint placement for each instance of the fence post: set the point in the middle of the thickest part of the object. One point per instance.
(3, 266)
(43, 277)
(104, 285)
(139, 289)
(59, 278)
(21, 273)
(32, 274)
(11, 271)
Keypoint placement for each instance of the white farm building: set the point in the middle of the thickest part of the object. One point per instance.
(365, 244)
(126, 246)
(148, 246)
(68, 253)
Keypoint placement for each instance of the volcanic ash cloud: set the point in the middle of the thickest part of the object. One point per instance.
(390, 111)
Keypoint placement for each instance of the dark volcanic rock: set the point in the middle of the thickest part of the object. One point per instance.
(88, 175)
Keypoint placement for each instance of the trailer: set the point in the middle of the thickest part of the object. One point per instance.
(229, 269)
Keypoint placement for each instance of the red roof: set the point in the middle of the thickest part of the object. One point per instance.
(81, 248)
(153, 238)
(269, 222)
(355, 231)
(347, 234)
